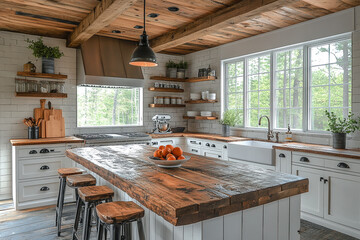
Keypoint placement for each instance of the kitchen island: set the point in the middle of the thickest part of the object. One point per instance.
(205, 199)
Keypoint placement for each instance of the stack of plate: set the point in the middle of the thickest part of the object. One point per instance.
(195, 96)
(205, 114)
(192, 113)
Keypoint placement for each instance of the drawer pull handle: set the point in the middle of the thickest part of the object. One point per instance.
(343, 165)
(208, 144)
(321, 178)
(44, 189)
(44, 150)
(213, 145)
(33, 152)
(225, 147)
(219, 156)
(193, 150)
(281, 155)
(45, 167)
(193, 142)
(155, 143)
(304, 159)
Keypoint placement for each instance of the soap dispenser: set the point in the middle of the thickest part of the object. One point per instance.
(288, 135)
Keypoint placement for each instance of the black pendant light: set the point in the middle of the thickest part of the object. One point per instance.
(143, 55)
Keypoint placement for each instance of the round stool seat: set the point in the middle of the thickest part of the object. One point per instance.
(119, 212)
(64, 172)
(81, 180)
(95, 193)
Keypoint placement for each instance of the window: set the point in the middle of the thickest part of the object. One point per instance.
(258, 89)
(100, 106)
(235, 96)
(292, 86)
(330, 82)
(288, 87)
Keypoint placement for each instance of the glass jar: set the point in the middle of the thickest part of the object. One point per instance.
(179, 100)
(34, 86)
(160, 100)
(60, 86)
(45, 87)
(53, 87)
(173, 100)
(19, 85)
(166, 100)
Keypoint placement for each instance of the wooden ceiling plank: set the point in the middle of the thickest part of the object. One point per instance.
(103, 14)
(238, 12)
(333, 5)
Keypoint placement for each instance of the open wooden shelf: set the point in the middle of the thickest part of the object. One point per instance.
(41, 95)
(166, 90)
(42, 75)
(201, 118)
(201, 101)
(196, 79)
(165, 105)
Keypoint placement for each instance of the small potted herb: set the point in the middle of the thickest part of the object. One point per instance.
(340, 127)
(171, 69)
(181, 68)
(229, 119)
(40, 50)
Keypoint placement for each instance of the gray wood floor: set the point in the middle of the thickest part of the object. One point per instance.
(39, 224)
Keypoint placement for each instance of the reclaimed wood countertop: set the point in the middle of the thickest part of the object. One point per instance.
(208, 136)
(319, 149)
(25, 141)
(201, 189)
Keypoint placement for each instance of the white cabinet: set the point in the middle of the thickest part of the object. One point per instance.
(312, 202)
(35, 178)
(283, 161)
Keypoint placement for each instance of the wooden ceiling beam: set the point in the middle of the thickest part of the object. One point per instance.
(102, 15)
(242, 11)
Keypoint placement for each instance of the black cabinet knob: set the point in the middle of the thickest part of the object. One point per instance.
(208, 144)
(33, 152)
(44, 167)
(325, 181)
(225, 147)
(343, 165)
(321, 178)
(281, 155)
(304, 159)
(44, 189)
(44, 150)
(213, 145)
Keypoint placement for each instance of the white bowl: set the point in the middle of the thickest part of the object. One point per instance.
(169, 163)
(195, 96)
(192, 113)
(212, 96)
(205, 113)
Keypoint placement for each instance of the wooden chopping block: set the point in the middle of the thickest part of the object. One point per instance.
(39, 113)
(53, 127)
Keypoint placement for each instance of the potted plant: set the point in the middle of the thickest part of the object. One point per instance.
(229, 119)
(171, 69)
(181, 68)
(40, 50)
(340, 127)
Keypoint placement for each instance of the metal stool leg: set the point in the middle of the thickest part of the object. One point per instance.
(140, 229)
(57, 202)
(61, 204)
(100, 231)
(112, 232)
(87, 221)
(79, 205)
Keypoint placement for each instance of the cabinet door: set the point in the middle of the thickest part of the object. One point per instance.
(342, 198)
(283, 161)
(212, 154)
(313, 201)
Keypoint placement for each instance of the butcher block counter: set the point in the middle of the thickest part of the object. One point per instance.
(214, 137)
(25, 141)
(202, 189)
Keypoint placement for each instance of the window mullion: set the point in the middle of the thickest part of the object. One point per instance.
(306, 91)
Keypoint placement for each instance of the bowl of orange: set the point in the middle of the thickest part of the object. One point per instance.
(169, 157)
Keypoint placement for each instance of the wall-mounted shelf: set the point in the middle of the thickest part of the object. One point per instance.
(201, 101)
(41, 95)
(201, 118)
(165, 105)
(166, 90)
(42, 75)
(196, 79)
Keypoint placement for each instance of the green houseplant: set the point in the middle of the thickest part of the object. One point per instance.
(229, 119)
(171, 69)
(340, 127)
(181, 68)
(40, 50)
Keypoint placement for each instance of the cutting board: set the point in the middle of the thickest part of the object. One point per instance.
(39, 113)
(54, 127)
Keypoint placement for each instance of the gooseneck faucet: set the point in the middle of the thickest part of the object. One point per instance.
(270, 133)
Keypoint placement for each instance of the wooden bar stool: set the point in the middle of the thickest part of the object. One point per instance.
(115, 216)
(63, 174)
(89, 197)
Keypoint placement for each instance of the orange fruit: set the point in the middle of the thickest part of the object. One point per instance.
(165, 152)
(170, 147)
(161, 147)
(177, 151)
(181, 157)
(170, 157)
(158, 154)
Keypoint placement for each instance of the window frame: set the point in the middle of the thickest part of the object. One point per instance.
(141, 111)
(306, 78)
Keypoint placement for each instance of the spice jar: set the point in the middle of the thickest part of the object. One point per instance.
(173, 100)
(20, 85)
(160, 100)
(53, 87)
(60, 86)
(166, 100)
(45, 87)
(179, 100)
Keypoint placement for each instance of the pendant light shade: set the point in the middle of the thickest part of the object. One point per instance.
(143, 55)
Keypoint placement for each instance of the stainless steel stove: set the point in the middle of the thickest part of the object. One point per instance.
(103, 139)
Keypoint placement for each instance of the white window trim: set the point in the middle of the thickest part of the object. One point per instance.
(306, 76)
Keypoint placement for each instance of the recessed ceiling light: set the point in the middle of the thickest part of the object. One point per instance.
(116, 31)
(138, 27)
(153, 15)
(173, 9)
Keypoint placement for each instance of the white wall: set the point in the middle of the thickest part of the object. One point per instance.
(13, 54)
(338, 23)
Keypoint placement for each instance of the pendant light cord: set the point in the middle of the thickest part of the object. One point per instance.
(144, 17)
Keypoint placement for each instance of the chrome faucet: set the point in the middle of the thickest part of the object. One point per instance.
(270, 133)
